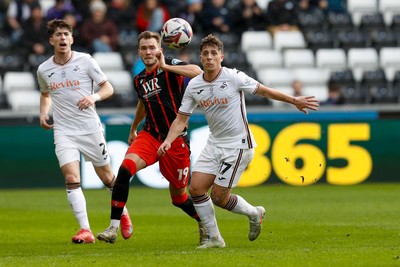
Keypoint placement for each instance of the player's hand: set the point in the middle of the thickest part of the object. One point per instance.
(132, 137)
(303, 103)
(163, 148)
(43, 122)
(161, 59)
(86, 102)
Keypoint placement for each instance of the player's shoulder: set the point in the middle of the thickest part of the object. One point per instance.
(81, 55)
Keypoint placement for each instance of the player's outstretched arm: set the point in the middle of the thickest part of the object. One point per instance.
(177, 126)
(139, 116)
(189, 70)
(302, 103)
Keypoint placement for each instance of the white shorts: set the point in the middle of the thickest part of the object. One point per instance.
(227, 164)
(93, 147)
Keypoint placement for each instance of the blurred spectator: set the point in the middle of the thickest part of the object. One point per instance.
(78, 44)
(311, 9)
(35, 32)
(337, 6)
(281, 15)
(151, 15)
(123, 13)
(216, 17)
(247, 15)
(297, 88)
(99, 32)
(334, 95)
(190, 10)
(82, 7)
(60, 8)
(17, 13)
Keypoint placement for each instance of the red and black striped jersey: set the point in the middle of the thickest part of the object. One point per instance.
(161, 93)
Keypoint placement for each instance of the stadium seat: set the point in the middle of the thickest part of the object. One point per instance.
(343, 78)
(109, 60)
(124, 95)
(12, 61)
(320, 92)
(351, 39)
(340, 22)
(382, 38)
(46, 5)
(276, 77)
(19, 81)
(357, 8)
(311, 21)
(312, 76)
(298, 58)
(361, 59)
(260, 59)
(263, 4)
(288, 39)
(389, 8)
(332, 59)
(389, 60)
(372, 22)
(255, 40)
(317, 39)
(24, 101)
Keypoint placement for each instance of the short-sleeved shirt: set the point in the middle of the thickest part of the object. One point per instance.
(161, 93)
(223, 103)
(67, 84)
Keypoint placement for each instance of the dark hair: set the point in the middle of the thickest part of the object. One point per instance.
(211, 40)
(149, 35)
(54, 24)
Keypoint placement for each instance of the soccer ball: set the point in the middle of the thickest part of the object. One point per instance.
(176, 33)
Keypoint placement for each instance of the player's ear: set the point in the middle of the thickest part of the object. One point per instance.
(51, 41)
(72, 40)
(222, 57)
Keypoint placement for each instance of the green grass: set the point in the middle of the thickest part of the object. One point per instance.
(318, 225)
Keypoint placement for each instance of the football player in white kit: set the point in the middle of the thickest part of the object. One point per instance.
(66, 84)
(219, 92)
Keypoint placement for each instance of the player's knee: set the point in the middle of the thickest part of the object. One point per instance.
(178, 201)
(218, 200)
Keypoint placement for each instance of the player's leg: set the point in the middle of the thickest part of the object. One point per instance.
(175, 167)
(233, 163)
(202, 179)
(132, 163)
(68, 157)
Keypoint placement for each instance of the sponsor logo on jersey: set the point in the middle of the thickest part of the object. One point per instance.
(54, 86)
(150, 87)
(213, 102)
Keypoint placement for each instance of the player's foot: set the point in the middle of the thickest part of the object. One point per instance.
(203, 233)
(213, 243)
(109, 235)
(83, 236)
(256, 223)
(126, 226)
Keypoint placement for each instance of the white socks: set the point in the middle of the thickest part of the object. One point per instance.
(206, 213)
(77, 202)
(243, 207)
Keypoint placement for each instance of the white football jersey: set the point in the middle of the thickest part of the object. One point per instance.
(67, 84)
(223, 103)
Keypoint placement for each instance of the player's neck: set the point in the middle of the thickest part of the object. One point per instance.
(210, 75)
(62, 58)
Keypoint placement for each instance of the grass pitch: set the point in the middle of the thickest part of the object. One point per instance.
(318, 225)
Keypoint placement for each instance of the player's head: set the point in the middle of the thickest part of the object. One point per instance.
(212, 40)
(149, 46)
(60, 33)
(55, 24)
(211, 53)
(149, 35)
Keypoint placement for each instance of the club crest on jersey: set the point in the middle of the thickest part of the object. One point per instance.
(223, 86)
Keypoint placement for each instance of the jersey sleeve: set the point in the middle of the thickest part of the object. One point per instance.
(175, 61)
(245, 82)
(42, 83)
(95, 71)
(188, 103)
